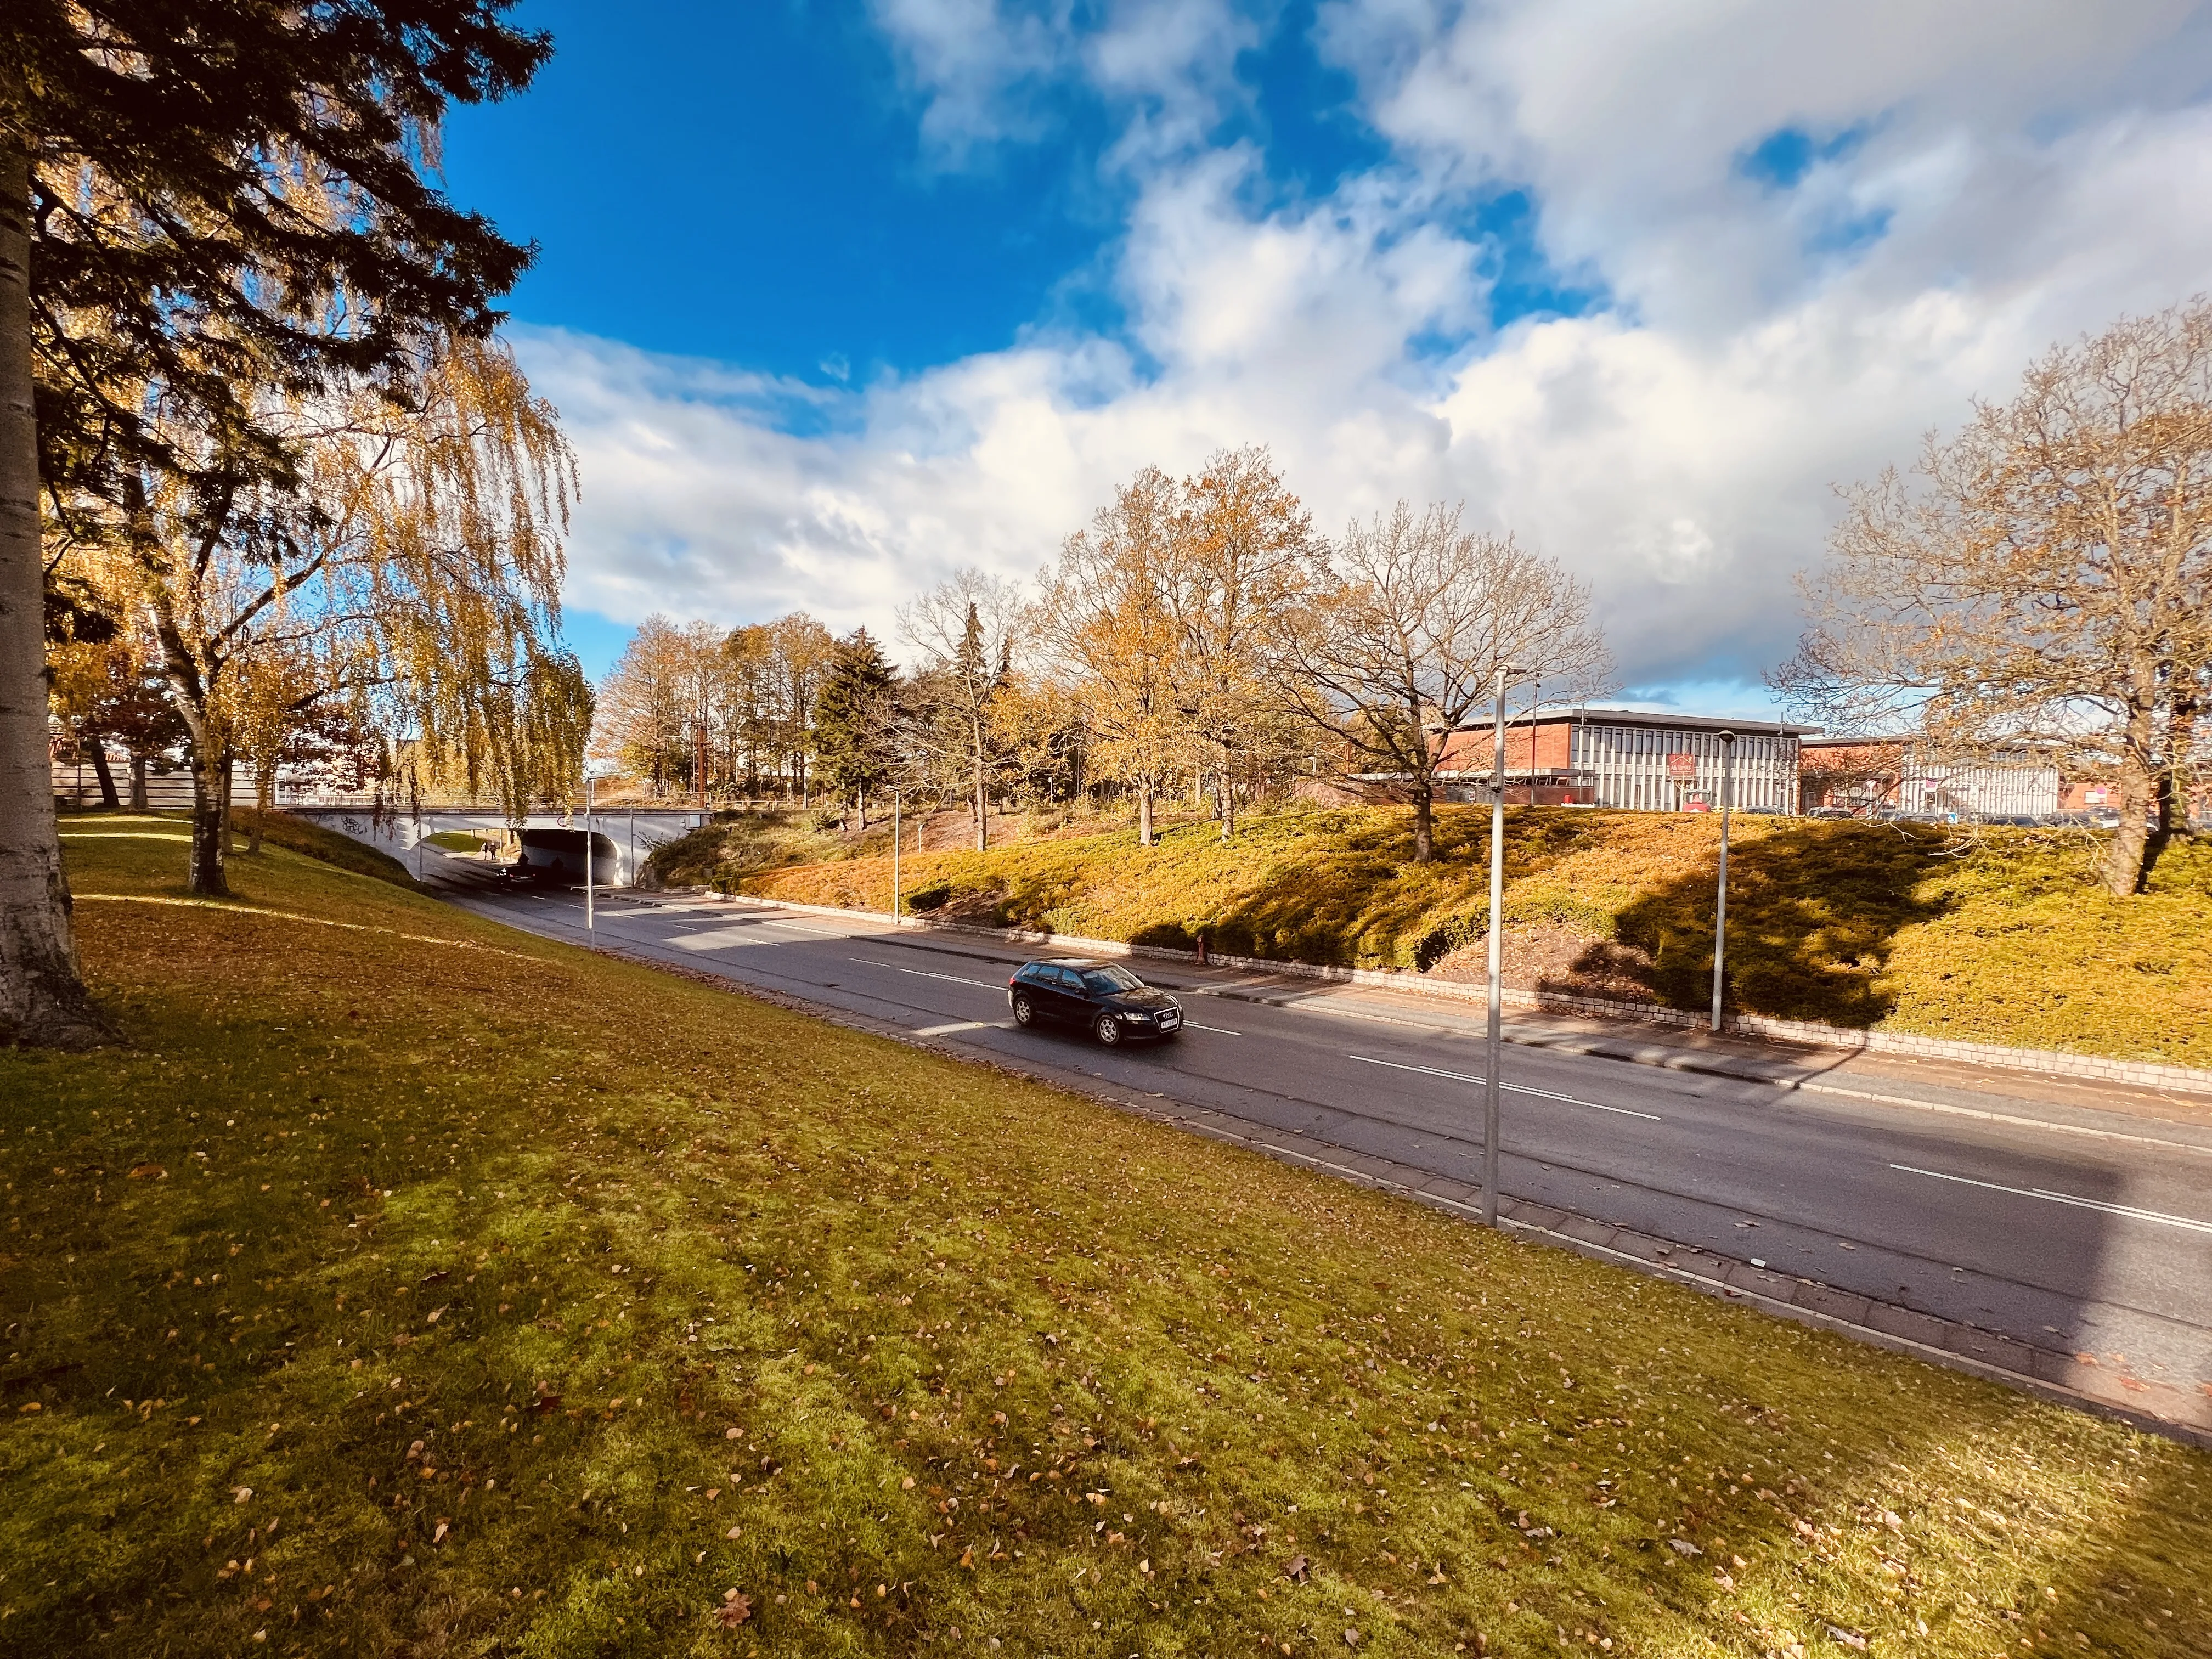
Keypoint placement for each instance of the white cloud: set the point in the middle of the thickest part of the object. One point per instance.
(2014, 176)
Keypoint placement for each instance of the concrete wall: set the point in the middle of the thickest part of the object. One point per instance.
(634, 834)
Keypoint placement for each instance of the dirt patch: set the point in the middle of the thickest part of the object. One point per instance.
(1550, 956)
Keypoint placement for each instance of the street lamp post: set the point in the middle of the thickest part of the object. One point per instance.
(1496, 908)
(591, 920)
(1720, 910)
(896, 835)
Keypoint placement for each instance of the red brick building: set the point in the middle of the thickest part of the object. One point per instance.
(1631, 759)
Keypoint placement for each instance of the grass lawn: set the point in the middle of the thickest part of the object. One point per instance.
(1997, 936)
(412, 1286)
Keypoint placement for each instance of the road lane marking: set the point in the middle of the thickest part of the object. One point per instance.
(2072, 1199)
(958, 1025)
(796, 928)
(921, 973)
(1193, 1026)
(1512, 1088)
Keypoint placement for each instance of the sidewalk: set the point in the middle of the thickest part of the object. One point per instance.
(2178, 1118)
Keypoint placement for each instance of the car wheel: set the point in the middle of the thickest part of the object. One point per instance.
(1108, 1029)
(1025, 1012)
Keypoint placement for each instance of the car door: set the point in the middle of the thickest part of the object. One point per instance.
(1067, 1002)
(1043, 984)
(1041, 987)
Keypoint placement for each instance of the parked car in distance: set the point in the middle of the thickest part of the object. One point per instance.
(1103, 998)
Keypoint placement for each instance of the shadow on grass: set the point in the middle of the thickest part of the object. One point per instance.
(1814, 910)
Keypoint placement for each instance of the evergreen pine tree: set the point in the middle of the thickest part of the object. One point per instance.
(852, 722)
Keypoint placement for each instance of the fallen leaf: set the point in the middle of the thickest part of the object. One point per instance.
(147, 1172)
(1683, 1547)
(1848, 1639)
(735, 1609)
(1295, 1571)
(242, 1495)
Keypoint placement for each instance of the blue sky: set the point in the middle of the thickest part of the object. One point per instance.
(838, 297)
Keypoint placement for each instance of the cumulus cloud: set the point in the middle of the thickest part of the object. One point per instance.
(1817, 234)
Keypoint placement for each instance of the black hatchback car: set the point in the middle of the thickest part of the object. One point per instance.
(1103, 998)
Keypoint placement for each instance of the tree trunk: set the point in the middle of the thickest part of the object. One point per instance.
(1224, 802)
(107, 795)
(43, 1001)
(983, 802)
(210, 805)
(137, 783)
(2173, 776)
(2120, 871)
(264, 802)
(1425, 822)
(1144, 813)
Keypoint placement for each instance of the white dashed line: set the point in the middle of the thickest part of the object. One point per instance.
(921, 973)
(1510, 1088)
(2078, 1203)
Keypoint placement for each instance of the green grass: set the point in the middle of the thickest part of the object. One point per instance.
(736, 845)
(2000, 937)
(298, 836)
(683, 1295)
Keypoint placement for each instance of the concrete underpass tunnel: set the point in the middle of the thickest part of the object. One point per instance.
(557, 856)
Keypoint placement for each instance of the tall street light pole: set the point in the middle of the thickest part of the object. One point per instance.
(590, 919)
(896, 833)
(1496, 908)
(1720, 910)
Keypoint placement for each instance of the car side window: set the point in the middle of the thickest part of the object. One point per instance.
(1068, 980)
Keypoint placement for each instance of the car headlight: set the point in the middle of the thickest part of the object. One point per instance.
(1133, 1017)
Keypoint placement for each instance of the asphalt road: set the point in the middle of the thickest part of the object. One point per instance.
(2069, 1242)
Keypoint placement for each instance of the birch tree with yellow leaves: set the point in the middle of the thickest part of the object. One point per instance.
(1108, 616)
(409, 568)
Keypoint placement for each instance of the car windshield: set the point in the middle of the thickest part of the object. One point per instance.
(1106, 981)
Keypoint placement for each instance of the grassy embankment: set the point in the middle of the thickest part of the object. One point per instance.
(1999, 939)
(409, 1286)
(298, 836)
(737, 847)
